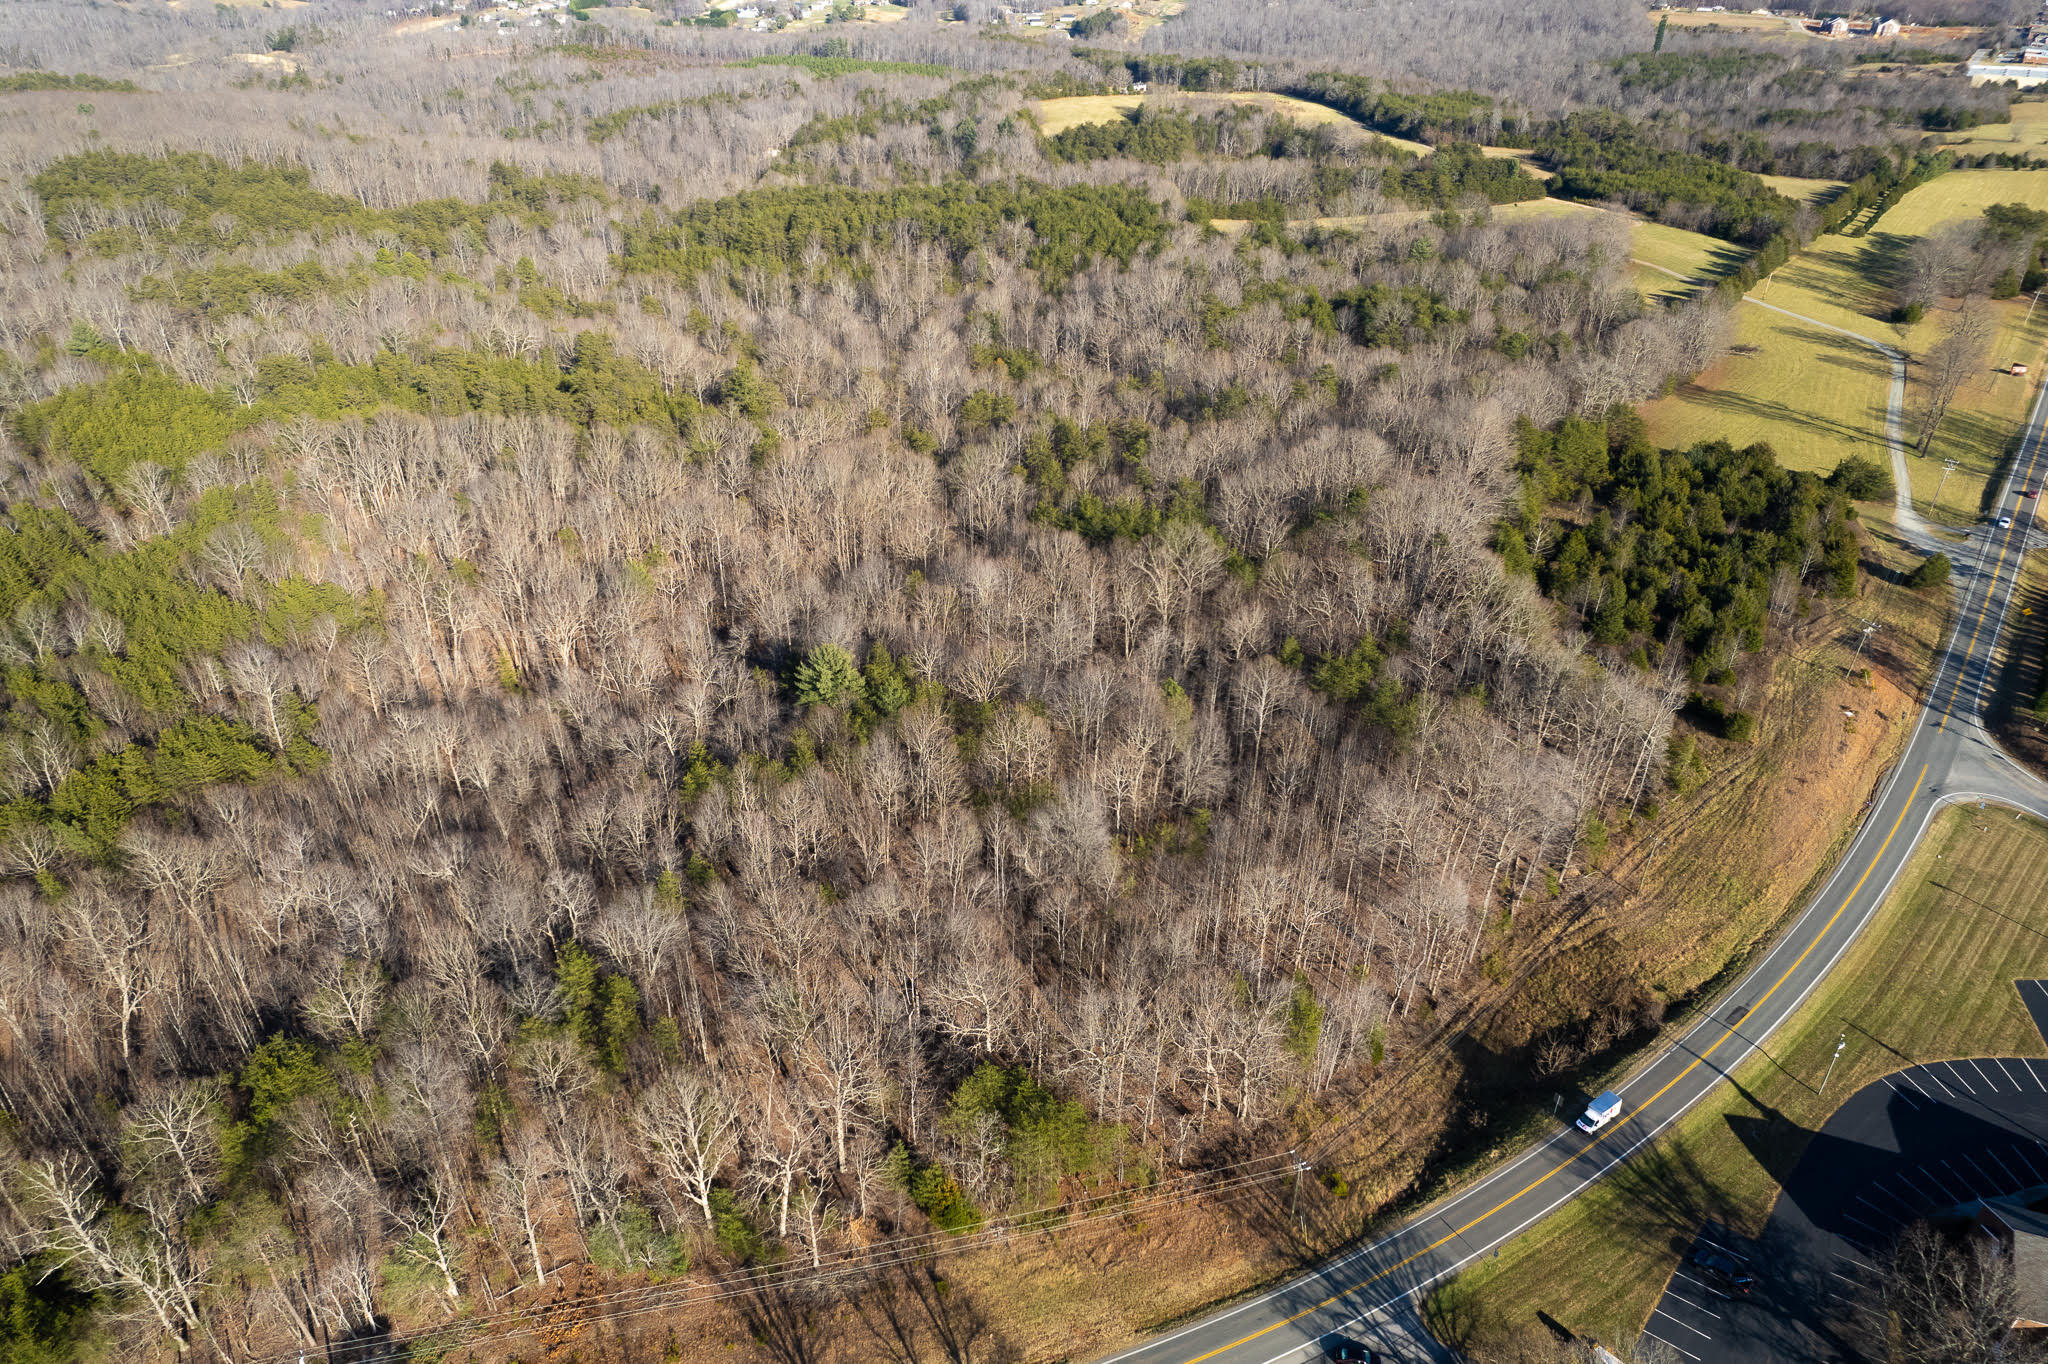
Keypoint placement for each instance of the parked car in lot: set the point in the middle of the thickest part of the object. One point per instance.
(1606, 1106)
(1723, 1270)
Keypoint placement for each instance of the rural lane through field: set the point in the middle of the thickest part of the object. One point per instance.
(1363, 1293)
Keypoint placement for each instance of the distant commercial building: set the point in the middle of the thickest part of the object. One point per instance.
(1988, 67)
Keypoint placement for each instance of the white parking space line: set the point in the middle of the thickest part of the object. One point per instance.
(1852, 1217)
(1927, 1072)
(1901, 1091)
(1661, 1341)
(1703, 1335)
(1935, 1197)
(2012, 1178)
(1957, 1076)
(2006, 1071)
(1989, 1083)
(1962, 1179)
(1846, 1279)
(1680, 1274)
(1671, 1295)
(1875, 1184)
(1940, 1193)
(2028, 1067)
(1995, 1186)
(1875, 1210)
(1858, 1263)
(2027, 1160)
(1918, 1088)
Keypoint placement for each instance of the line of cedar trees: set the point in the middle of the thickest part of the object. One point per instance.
(1659, 549)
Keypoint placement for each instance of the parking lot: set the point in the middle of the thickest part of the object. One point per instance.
(1925, 1140)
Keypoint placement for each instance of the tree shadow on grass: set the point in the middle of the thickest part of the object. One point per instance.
(1768, 410)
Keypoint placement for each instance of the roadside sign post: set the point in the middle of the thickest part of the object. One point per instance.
(1840, 1042)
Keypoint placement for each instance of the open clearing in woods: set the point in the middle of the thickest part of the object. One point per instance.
(1931, 978)
(2028, 129)
(1816, 396)
(1070, 111)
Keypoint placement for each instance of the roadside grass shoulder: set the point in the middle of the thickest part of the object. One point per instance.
(2019, 707)
(1931, 978)
(1986, 421)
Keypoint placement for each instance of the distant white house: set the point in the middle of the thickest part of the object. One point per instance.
(1886, 28)
(1837, 27)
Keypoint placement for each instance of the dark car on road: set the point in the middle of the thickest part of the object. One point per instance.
(1339, 1347)
(1723, 1270)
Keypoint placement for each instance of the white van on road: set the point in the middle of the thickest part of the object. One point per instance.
(1604, 1109)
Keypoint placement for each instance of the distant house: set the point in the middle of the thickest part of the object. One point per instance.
(1836, 27)
(1886, 28)
(2018, 368)
(2021, 1235)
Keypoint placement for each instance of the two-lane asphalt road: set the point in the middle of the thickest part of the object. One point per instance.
(1949, 758)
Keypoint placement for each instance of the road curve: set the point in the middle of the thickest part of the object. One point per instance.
(1950, 758)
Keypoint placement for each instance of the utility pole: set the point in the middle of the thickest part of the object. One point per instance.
(1948, 466)
(1294, 1204)
(1869, 628)
(1840, 1042)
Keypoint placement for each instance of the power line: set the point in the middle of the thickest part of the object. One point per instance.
(667, 1297)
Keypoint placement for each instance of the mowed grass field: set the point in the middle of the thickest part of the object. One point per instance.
(1931, 978)
(1743, 23)
(1689, 253)
(1789, 390)
(1814, 395)
(1804, 190)
(2029, 128)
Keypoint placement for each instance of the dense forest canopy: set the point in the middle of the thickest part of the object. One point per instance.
(632, 651)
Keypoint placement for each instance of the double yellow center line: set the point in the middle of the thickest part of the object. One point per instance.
(1555, 1170)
